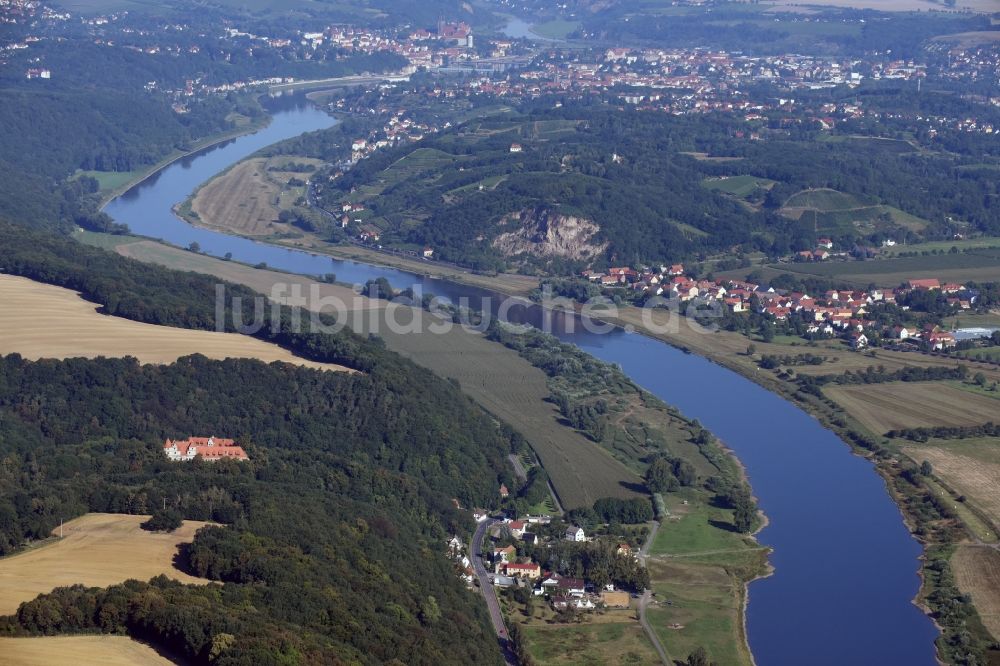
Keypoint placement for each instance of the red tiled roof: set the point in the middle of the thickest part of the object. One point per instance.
(210, 448)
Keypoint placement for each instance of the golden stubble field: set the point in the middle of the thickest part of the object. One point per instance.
(98, 549)
(894, 405)
(977, 573)
(78, 651)
(970, 467)
(242, 199)
(43, 321)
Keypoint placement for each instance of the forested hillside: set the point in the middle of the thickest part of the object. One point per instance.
(333, 548)
(388, 12)
(661, 188)
(752, 28)
(338, 523)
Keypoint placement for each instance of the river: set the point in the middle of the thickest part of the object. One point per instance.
(520, 29)
(845, 565)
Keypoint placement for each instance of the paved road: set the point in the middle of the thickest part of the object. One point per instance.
(489, 592)
(644, 600)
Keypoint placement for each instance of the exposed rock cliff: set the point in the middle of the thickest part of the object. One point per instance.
(540, 232)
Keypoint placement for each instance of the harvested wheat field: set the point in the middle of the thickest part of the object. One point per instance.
(43, 321)
(970, 467)
(242, 200)
(977, 573)
(98, 549)
(883, 407)
(79, 651)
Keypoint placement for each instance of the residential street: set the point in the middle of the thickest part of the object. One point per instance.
(488, 591)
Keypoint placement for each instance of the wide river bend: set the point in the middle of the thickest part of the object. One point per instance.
(845, 565)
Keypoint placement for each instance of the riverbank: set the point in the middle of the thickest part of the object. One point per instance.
(507, 284)
(729, 350)
(143, 174)
(938, 533)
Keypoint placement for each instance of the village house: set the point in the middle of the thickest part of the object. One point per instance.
(504, 581)
(505, 554)
(574, 533)
(529, 571)
(205, 448)
(575, 587)
(924, 284)
(550, 582)
(537, 520)
(939, 340)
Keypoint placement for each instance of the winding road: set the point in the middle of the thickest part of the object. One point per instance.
(489, 592)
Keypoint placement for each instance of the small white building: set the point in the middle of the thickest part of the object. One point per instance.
(574, 533)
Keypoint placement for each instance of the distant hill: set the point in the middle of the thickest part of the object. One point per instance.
(560, 188)
(358, 11)
(554, 188)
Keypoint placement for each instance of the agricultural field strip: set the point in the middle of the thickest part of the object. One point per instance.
(884, 407)
(977, 573)
(44, 321)
(976, 478)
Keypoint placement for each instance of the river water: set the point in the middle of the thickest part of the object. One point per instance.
(845, 565)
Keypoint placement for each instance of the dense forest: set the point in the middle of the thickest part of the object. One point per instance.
(45, 136)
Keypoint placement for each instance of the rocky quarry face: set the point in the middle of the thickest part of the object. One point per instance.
(540, 232)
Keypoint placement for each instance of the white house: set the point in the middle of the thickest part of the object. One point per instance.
(574, 533)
